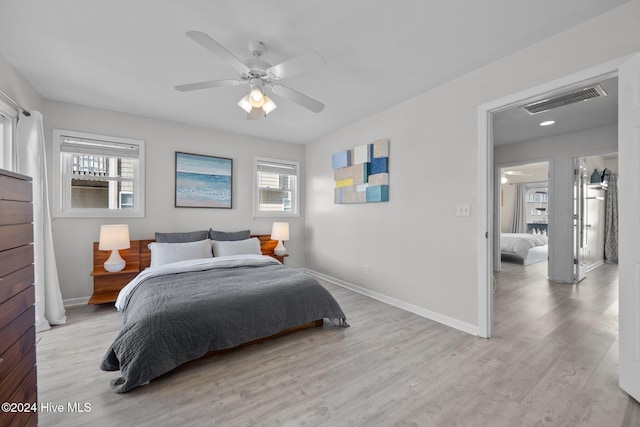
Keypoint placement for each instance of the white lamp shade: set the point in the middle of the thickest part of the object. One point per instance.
(245, 104)
(280, 231)
(269, 105)
(114, 237)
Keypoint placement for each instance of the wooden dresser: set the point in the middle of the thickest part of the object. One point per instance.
(17, 298)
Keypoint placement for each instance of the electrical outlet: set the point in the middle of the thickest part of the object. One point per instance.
(365, 269)
(463, 210)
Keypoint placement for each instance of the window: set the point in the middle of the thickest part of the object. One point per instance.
(98, 176)
(7, 124)
(276, 188)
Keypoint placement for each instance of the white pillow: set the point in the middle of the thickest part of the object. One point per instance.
(165, 253)
(237, 247)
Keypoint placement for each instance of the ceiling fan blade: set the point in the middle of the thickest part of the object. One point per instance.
(213, 46)
(297, 97)
(296, 65)
(207, 85)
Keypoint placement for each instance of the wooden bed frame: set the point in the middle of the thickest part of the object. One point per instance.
(138, 257)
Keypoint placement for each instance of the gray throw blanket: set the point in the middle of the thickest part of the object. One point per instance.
(175, 318)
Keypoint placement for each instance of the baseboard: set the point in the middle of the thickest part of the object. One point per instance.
(436, 317)
(595, 265)
(70, 302)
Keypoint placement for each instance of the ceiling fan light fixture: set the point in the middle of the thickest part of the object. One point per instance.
(245, 104)
(268, 105)
(254, 114)
(256, 97)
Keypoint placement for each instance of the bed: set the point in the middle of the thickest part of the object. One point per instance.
(182, 310)
(526, 248)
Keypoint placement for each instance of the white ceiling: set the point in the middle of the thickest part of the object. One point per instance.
(127, 56)
(516, 125)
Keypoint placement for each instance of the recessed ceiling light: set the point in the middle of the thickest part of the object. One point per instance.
(547, 123)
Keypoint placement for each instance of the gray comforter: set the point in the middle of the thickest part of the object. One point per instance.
(175, 318)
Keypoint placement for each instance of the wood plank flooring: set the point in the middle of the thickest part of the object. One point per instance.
(552, 362)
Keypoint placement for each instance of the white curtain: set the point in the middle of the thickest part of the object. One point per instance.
(519, 223)
(31, 161)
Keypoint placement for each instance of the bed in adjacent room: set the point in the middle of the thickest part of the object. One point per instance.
(180, 310)
(525, 248)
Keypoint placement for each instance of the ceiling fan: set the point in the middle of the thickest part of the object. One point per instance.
(259, 75)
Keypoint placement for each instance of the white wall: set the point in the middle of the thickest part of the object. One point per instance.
(14, 85)
(418, 251)
(561, 150)
(73, 237)
(21, 91)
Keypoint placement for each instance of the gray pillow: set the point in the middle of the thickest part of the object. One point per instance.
(185, 237)
(224, 236)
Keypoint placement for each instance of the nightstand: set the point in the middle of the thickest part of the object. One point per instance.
(107, 285)
(280, 257)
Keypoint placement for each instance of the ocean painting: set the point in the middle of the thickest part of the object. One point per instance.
(203, 181)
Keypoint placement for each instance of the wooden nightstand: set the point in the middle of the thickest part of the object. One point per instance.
(107, 285)
(280, 257)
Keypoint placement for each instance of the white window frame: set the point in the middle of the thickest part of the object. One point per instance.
(295, 204)
(7, 155)
(62, 192)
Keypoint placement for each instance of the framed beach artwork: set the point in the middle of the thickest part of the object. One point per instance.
(203, 181)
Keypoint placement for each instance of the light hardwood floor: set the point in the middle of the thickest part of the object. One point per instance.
(552, 362)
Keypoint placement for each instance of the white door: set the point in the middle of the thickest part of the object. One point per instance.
(580, 182)
(629, 225)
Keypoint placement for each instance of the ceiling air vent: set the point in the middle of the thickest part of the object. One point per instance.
(566, 99)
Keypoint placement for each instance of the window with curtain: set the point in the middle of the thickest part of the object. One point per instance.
(276, 188)
(7, 125)
(98, 175)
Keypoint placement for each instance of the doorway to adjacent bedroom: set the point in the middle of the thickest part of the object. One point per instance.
(524, 205)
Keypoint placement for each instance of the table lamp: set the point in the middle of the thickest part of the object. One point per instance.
(280, 232)
(114, 237)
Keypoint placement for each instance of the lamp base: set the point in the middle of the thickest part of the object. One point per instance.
(115, 262)
(280, 250)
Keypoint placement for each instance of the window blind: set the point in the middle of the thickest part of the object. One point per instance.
(96, 147)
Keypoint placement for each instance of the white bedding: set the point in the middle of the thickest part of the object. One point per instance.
(520, 243)
(192, 265)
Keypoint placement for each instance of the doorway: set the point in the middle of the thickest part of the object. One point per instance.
(489, 179)
(523, 216)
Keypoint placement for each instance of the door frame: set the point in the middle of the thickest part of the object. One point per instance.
(486, 168)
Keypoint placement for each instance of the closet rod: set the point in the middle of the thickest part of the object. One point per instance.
(15, 103)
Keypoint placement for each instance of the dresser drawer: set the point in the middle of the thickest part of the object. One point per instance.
(14, 307)
(18, 327)
(10, 358)
(15, 283)
(15, 188)
(15, 259)
(17, 375)
(27, 392)
(15, 212)
(12, 236)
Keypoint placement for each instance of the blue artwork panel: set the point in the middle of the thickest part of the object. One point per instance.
(341, 159)
(378, 193)
(379, 165)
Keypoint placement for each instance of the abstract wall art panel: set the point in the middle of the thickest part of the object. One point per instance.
(341, 159)
(361, 174)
